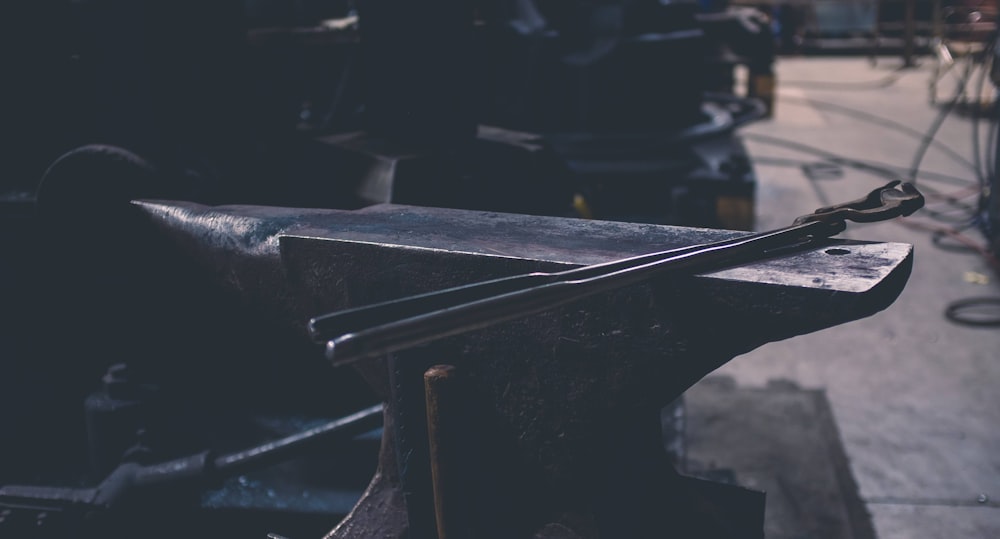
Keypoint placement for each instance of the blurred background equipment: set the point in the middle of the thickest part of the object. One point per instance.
(556, 108)
(565, 109)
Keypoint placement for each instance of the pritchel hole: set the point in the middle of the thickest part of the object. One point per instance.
(837, 252)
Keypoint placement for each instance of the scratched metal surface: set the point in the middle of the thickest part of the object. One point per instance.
(557, 381)
(256, 229)
(297, 263)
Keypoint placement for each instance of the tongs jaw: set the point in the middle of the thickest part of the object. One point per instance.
(896, 199)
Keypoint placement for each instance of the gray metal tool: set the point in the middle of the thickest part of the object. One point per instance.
(370, 331)
(564, 432)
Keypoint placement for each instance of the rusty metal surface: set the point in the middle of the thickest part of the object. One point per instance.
(562, 385)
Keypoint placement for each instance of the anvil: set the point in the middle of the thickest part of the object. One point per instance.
(561, 408)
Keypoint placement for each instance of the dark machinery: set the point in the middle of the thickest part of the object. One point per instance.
(549, 428)
(180, 328)
(544, 108)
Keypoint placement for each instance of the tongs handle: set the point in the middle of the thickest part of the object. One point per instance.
(406, 331)
(394, 325)
(325, 327)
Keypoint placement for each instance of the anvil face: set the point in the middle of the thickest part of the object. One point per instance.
(559, 383)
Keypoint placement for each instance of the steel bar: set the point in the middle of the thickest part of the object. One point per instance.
(395, 325)
(276, 451)
(329, 326)
(566, 287)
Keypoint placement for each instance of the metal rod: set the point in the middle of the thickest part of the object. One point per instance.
(131, 477)
(395, 325)
(445, 404)
(326, 327)
(479, 313)
(344, 428)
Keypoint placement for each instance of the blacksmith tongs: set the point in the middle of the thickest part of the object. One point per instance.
(369, 331)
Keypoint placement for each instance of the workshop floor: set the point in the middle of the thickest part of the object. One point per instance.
(914, 395)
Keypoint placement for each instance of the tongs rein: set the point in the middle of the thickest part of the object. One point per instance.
(373, 330)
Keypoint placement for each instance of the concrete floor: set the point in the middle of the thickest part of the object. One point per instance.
(914, 395)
